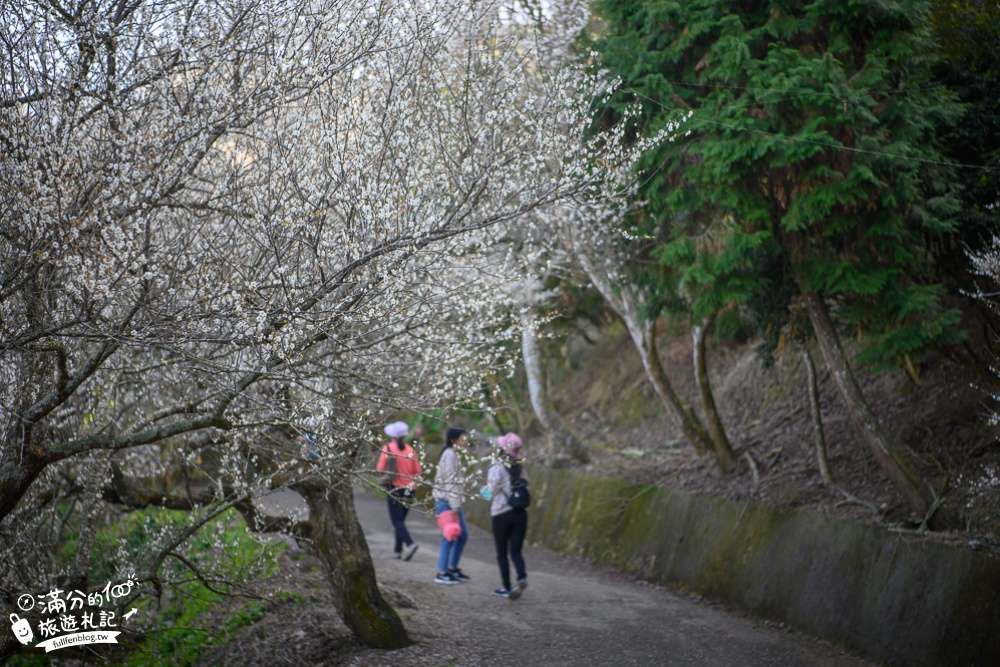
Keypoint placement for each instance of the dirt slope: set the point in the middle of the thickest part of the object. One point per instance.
(940, 422)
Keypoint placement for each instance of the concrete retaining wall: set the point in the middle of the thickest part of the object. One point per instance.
(898, 600)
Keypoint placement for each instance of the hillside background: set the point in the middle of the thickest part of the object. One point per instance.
(941, 422)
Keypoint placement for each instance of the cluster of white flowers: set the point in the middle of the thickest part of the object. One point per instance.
(985, 485)
(986, 263)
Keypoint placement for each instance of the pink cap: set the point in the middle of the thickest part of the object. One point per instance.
(510, 444)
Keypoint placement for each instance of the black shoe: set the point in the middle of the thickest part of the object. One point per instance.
(445, 578)
(458, 574)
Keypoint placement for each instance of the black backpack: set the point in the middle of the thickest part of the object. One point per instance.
(519, 497)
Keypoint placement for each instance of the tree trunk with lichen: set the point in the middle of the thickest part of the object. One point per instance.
(338, 541)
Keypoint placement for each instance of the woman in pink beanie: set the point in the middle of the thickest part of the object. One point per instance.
(506, 480)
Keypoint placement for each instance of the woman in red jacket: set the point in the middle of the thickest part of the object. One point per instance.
(403, 484)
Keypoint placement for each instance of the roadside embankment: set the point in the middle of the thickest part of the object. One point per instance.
(897, 599)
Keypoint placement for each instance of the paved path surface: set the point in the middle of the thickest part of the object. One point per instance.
(574, 613)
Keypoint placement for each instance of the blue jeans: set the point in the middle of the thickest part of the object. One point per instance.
(450, 551)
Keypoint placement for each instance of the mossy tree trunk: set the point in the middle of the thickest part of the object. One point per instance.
(338, 541)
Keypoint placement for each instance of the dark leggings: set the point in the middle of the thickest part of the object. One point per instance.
(509, 529)
(398, 509)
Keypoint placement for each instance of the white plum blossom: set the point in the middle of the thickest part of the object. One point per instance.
(231, 221)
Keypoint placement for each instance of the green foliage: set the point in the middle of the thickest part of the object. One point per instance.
(186, 615)
(190, 630)
(813, 161)
(223, 546)
(180, 634)
(183, 624)
(968, 34)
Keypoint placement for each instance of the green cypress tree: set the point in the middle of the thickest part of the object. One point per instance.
(968, 34)
(811, 175)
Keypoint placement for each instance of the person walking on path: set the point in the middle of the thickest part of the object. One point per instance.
(405, 470)
(449, 489)
(510, 519)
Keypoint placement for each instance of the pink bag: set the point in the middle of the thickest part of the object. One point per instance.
(448, 524)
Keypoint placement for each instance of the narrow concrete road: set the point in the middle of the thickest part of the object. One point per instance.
(573, 613)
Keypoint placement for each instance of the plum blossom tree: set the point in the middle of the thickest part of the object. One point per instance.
(533, 301)
(539, 252)
(230, 223)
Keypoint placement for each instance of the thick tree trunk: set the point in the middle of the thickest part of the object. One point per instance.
(817, 416)
(538, 391)
(919, 496)
(339, 542)
(15, 479)
(723, 448)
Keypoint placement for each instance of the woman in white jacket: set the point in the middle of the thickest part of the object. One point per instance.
(449, 489)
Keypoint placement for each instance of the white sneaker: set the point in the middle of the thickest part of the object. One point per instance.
(409, 551)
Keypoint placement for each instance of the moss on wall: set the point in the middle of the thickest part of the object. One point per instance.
(899, 600)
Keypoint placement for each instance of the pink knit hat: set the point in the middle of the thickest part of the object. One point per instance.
(510, 444)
